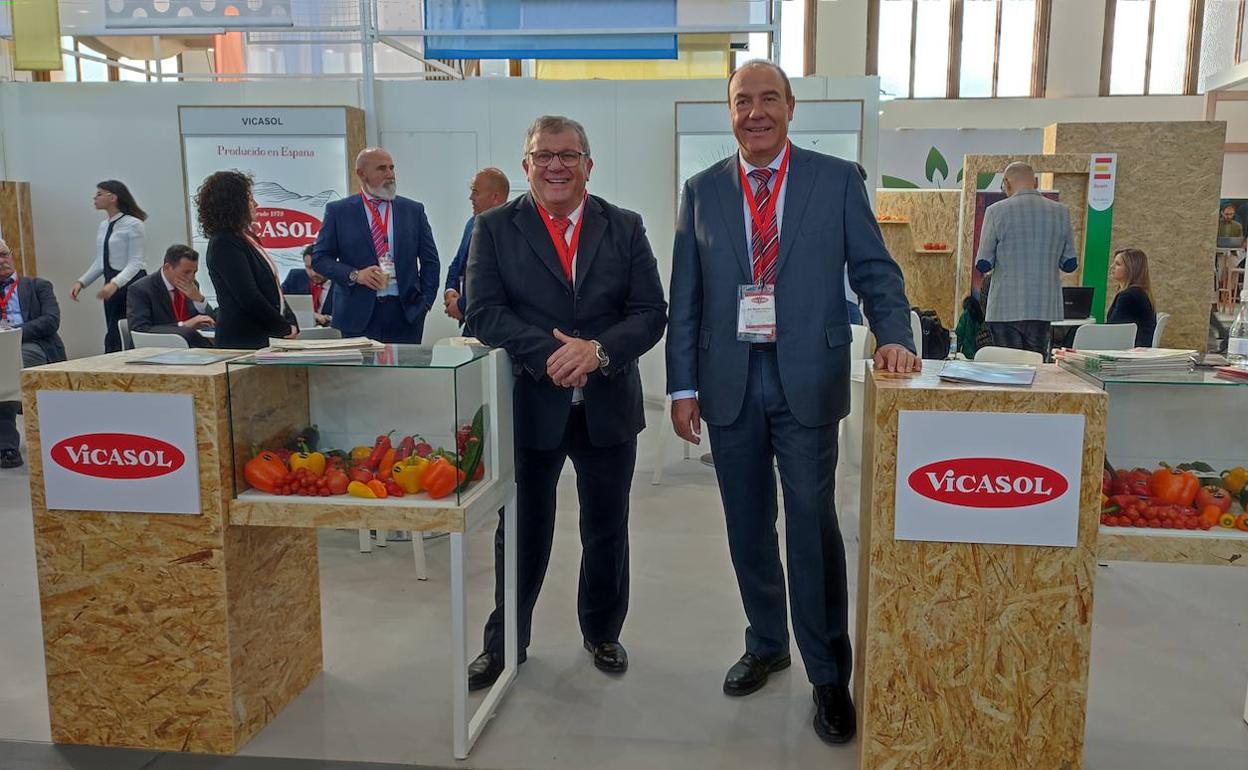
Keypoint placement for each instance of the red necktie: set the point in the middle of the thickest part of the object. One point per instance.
(179, 306)
(317, 289)
(765, 245)
(561, 225)
(378, 226)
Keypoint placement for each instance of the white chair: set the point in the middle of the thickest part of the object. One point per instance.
(123, 326)
(916, 329)
(1162, 320)
(1105, 337)
(992, 354)
(301, 306)
(319, 333)
(11, 365)
(863, 343)
(862, 349)
(149, 340)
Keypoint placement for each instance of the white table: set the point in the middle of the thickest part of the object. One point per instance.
(1068, 322)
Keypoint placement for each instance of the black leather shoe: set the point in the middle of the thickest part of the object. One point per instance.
(10, 458)
(485, 670)
(609, 656)
(835, 720)
(750, 673)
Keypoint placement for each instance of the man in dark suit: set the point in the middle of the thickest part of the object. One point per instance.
(567, 284)
(169, 301)
(378, 248)
(758, 345)
(308, 281)
(28, 304)
(490, 189)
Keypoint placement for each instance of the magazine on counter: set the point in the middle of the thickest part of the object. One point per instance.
(188, 358)
(1017, 375)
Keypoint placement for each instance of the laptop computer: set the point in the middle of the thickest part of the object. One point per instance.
(1076, 302)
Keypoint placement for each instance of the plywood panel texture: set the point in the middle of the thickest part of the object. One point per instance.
(17, 226)
(1224, 551)
(161, 631)
(973, 656)
(933, 217)
(1166, 203)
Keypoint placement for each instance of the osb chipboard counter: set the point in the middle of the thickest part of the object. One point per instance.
(973, 655)
(167, 631)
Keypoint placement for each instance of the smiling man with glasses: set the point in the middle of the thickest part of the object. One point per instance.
(28, 304)
(567, 284)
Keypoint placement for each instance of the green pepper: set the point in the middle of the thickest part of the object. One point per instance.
(473, 449)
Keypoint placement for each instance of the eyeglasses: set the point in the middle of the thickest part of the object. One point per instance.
(543, 158)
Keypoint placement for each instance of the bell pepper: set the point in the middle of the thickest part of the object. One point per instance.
(1227, 520)
(1211, 514)
(1174, 486)
(359, 489)
(387, 465)
(359, 473)
(360, 454)
(1235, 479)
(405, 449)
(408, 474)
(1241, 522)
(378, 488)
(265, 471)
(441, 478)
(393, 489)
(423, 448)
(313, 461)
(1134, 482)
(380, 447)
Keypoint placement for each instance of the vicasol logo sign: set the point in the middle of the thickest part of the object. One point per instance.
(117, 456)
(988, 482)
(279, 228)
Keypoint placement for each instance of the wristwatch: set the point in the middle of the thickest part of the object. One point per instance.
(604, 360)
(352, 276)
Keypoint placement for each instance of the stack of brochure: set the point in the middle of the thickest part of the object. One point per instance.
(347, 350)
(1019, 375)
(1236, 373)
(1142, 361)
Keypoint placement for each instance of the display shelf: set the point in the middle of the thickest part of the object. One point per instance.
(1218, 533)
(1172, 546)
(893, 221)
(933, 251)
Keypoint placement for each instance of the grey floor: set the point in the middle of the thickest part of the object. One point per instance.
(1169, 661)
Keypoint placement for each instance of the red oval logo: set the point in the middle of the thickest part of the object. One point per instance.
(988, 482)
(117, 456)
(278, 228)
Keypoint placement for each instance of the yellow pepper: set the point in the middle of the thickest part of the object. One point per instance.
(409, 473)
(313, 461)
(360, 455)
(358, 489)
(1235, 479)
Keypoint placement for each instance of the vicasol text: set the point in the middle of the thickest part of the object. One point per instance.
(988, 482)
(117, 456)
(85, 455)
(990, 485)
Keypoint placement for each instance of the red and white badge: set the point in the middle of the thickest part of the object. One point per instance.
(756, 313)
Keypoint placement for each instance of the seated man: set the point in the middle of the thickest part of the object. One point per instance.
(169, 301)
(308, 281)
(28, 304)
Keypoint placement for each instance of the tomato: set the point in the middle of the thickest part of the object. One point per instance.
(1211, 495)
(360, 473)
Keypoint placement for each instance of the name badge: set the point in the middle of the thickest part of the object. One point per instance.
(756, 313)
(387, 264)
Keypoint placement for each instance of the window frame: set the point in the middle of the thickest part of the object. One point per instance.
(1039, 52)
(1191, 68)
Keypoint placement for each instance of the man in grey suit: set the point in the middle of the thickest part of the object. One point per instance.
(1024, 241)
(758, 345)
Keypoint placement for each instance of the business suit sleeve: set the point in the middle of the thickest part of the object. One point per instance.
(430, 268)
(685, 311)
(1069, 259)
(986, 259)
(455, 271)
(232, 275)
(139, 309)
(49, 319)
(326, 252)
(645, 310)
(490, 313)
(873, 274)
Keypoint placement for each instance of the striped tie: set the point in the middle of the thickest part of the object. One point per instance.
(380, 240)
(764, 241)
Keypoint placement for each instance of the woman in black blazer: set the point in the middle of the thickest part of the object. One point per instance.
(1134, 301)
(250, 308)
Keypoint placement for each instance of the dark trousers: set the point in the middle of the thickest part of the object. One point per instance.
(32, 355)
(744, 452)
(389, 325)
(1036, 336)
(603, 478)
(114, 311)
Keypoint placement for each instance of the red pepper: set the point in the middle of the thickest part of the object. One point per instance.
(265, 471)
(407, 447)
(423, 448)
(380, 447)
(1174, 486)
(1134, 482)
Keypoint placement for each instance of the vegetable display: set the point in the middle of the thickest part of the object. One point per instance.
(1184, 496)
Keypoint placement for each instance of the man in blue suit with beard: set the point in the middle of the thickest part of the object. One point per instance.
(379, 251)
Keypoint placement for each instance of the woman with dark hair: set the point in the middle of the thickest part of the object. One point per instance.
(250, 307)
(1134, 302)
(118, 255)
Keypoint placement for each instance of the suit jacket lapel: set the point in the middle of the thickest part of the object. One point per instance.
(593, 226)
(729, 190)
(26, 298)
(529, 221)
(796, 196)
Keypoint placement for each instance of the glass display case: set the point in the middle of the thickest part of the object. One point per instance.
(1190, 421)
(405, 426)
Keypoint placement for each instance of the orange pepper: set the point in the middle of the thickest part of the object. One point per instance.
(1211, 514)
(264, 471)
(1174, 486)
(387, 465)
(378, 487)
(1241, 522)
(441, 478)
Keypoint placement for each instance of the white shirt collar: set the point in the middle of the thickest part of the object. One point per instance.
(574, 217)
(774, 165)
(163, 277)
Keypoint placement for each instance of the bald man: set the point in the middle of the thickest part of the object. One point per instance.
(490, 188)
(1025, 241)
(378, 250)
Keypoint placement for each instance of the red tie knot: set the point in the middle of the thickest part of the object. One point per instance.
(761, 176)
(561, 225)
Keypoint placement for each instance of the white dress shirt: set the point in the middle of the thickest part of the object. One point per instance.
(383, 205)
(125, 250)
(577, 395)
(200, 307)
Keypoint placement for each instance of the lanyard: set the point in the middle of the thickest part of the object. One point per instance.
(385, 221)
(761, 217)
(8, 295)
(565, 250)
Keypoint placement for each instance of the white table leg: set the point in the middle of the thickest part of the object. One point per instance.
(1246, 707)
(418, 551)
(366, 541)
(459, 662)
(381, 537)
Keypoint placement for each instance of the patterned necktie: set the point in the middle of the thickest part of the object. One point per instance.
(561, 225)
(764, 241)
(380, 239)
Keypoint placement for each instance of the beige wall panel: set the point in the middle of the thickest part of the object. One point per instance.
(933, 217)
